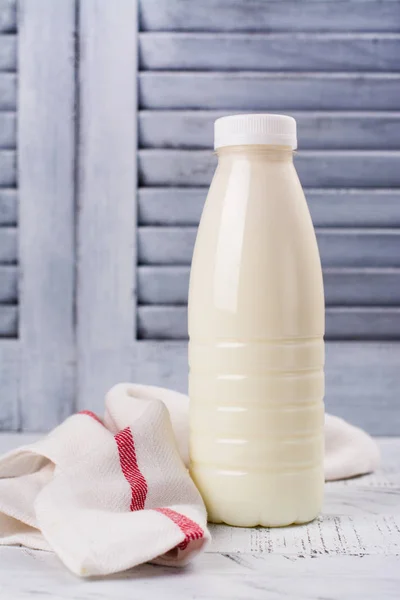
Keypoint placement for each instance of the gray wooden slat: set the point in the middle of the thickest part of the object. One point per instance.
(46, 150)
(161, 285)
(8, 321)
(8, 168)
(9, 382)
(162, 322)
(8, 16)
(8, 91)
(361, 383)
(362, 287)
(343, 287)
(7, 130)
(372, 323)
(316, 130)
(8, 284)
(264, 15)
(350, 323)
(107, 187)
(269, 52)
(269, 91)
(8, 245)
(329, 208)
(8, 207)
(320, 168)
(338, 247)
(8, 52)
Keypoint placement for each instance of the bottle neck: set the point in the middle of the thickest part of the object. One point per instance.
(256, 152)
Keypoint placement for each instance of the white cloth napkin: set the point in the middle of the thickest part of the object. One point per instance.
(109, 495)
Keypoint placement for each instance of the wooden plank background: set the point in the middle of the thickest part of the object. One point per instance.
(269, 15)
(379, 130)
(8, 207)
(107, 301)
(336, 169)
(8, 321)
(8, 284)
(378, 208)
(8, 16)
(335, 67)
(9, 268)
(269, 51)
(8, 245)
(7, 130)
(9, 385)
(106, 196)
(255, 91)
(8, 91)
(8, 52)
(341, 323)
(8, 168)
(339, 77)
(46, 143)
(343, 286)
(338, 247)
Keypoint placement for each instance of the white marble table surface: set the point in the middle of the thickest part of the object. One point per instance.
(351, 553)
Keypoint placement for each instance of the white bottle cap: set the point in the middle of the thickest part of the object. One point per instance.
(238, 130)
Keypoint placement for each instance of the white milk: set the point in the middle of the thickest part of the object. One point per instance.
(256, 326)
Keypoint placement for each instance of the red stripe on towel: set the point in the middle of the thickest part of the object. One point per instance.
(127, 456)
(189, 528)
(130, 469)
(89, 413)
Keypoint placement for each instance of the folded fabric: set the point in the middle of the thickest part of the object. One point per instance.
(104, 497)
(109, 495)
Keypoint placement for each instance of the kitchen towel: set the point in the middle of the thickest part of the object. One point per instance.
(108, 494)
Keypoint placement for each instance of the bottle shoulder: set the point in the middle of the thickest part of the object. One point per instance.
(256, 258)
